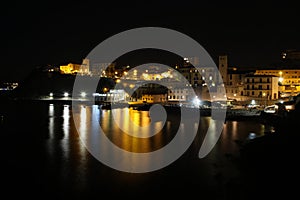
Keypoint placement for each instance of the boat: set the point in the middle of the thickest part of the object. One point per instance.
(242, 114)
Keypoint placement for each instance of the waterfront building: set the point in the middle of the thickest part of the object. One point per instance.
(179, 95)
(154, 98)
(288, 80)
(261, 87)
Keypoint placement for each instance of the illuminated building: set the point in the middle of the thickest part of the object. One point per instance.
(72, 68)
(261, 87)
(179, 95)
(288, 80)
(154, 98)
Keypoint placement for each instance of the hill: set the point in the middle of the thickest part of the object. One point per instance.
(40, 83)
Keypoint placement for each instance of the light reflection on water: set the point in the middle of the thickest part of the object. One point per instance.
(91, 117)
(66, 149)
(51, 120)
(66, 165)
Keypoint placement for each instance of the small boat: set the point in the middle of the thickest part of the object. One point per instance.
(243, 114)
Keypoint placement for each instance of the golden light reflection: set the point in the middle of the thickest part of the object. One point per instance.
(134, 141)
(234, 129)
(139, 118)
(134, 123)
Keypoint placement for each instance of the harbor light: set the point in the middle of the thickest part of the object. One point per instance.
(83, 94)
(50, 94)
(66, 94)
(196, 101)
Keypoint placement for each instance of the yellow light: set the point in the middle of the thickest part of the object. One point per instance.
(264, 94)
(280, 73)
(131, 86)
(118, 81)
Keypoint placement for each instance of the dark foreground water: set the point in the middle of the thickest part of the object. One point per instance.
(42, 157)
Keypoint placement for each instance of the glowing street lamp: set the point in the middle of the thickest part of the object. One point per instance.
(105, 89)
(280, 79)
(196, 101)
(66, 94)
(83, 94)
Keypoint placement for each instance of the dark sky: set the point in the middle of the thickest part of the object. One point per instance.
(252, 34)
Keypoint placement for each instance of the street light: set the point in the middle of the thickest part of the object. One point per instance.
(280, 79)
(196, 101)
(264, 95)
(83, 94)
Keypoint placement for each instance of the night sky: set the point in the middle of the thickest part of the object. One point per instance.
(252, 34)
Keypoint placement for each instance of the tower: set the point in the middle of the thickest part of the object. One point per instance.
(223, 67)
(85, 65)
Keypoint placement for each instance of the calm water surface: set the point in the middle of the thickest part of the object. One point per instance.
(42, 155)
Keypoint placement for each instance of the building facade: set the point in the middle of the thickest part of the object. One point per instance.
(261, 87)
(288, 80)
(73, 68)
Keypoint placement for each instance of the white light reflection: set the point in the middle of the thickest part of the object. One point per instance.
(211, 136)
(66, 128)
(51, 120)
(51, 129)
(82, 126)
(83, 129)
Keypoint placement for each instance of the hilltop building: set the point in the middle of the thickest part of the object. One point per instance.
(73, 68)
